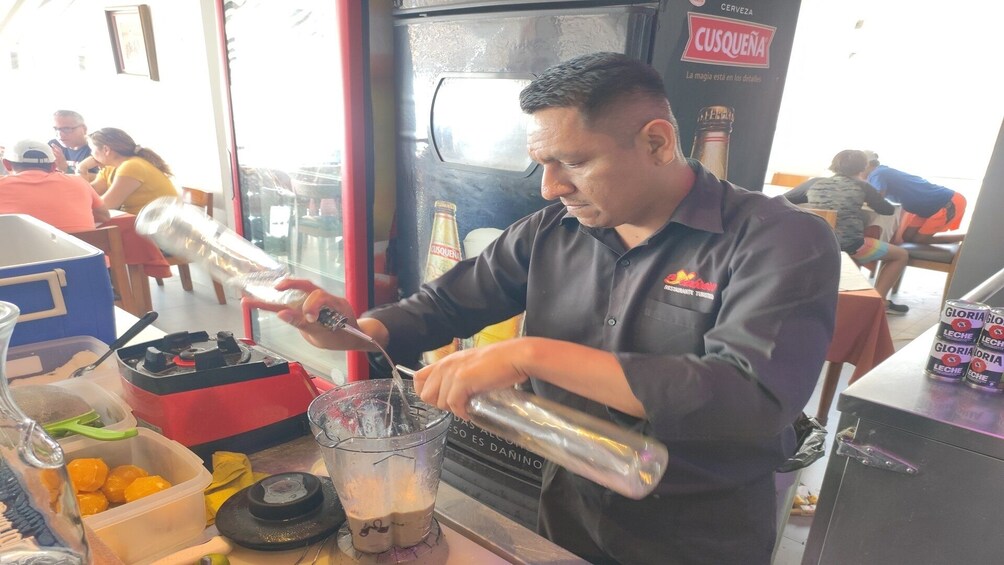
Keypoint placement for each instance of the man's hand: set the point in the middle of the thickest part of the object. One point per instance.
(304, 316)
(57, 151)
(449, 383)
(591, 373)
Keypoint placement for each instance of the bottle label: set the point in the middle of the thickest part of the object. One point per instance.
(444, 253)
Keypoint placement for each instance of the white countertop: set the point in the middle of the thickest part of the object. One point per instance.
(124, 320)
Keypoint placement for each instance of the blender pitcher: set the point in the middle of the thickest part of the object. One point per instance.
(39, 520)
(385, 462)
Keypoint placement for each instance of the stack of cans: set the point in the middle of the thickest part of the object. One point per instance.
(955, 343)
(984, 372)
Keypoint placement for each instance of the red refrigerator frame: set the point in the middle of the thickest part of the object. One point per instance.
(355, 181)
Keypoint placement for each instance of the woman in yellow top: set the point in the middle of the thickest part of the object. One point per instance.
(131, 176)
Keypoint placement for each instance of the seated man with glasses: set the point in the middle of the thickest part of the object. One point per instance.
(70, 147)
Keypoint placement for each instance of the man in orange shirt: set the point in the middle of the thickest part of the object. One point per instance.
(33, 187)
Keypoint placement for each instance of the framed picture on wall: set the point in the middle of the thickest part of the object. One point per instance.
(131, 31)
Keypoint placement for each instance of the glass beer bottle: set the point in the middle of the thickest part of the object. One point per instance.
(711, 139)
(474, 243)
(444, 253)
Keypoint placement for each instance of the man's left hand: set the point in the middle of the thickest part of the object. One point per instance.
(450, 382)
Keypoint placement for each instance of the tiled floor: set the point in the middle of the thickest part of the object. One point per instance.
(197, 310)
(921, 291)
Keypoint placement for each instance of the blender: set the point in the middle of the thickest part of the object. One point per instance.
(383, 449)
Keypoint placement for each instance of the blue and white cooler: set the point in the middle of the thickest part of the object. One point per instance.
(60, 284)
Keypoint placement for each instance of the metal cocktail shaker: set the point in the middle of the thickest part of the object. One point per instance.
(623, 461)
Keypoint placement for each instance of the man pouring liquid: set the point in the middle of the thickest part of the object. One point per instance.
(657, 297)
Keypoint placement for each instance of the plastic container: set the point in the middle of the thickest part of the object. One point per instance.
(158, 523)
(115, 413)
(32, 363)
(59, 283)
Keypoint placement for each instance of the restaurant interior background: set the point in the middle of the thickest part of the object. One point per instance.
(916, 81)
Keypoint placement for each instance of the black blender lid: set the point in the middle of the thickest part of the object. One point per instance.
(281, 512)
(133, 361)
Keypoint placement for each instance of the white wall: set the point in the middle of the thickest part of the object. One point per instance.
(65, 61)
(982, 254)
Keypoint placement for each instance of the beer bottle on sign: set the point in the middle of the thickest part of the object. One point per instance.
(474, 243)
(444, 253)
(711, 139)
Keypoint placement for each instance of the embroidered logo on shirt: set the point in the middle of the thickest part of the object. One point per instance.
(683, 282)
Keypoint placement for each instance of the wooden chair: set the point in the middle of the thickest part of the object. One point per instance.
(790, 180)
(109, 240)
(933, 256)
(829, 215)
(204, 200)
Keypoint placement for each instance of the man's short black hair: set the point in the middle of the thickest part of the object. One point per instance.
(591, 83)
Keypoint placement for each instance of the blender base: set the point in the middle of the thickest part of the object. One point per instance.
(431, 543)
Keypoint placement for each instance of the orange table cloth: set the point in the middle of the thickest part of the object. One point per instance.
(860, 335)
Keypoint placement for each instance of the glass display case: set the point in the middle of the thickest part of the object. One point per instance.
(288, 130)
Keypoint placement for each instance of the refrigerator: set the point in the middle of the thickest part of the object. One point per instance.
(353, 144)
(461, 142)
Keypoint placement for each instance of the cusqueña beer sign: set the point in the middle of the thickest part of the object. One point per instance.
(724, 68)
(723, 41)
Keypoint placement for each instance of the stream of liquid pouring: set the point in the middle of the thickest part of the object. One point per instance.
(335, 322)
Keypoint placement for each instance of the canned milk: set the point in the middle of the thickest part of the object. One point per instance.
(961, 321)
(984, 371)
(992, 336)
(948, 361)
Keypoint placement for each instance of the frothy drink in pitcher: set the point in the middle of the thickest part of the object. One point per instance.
(378, 522)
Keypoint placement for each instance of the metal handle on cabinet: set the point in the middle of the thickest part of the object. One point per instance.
(870, 455)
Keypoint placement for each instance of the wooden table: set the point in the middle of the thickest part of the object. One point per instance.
(143, 260)
(861, 334)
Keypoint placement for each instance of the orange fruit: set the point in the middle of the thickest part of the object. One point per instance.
(145, 486)
(87, 474)
(119, 479)
(92, 502)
